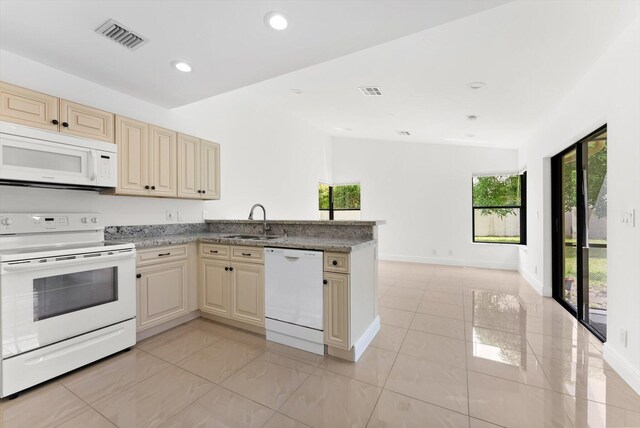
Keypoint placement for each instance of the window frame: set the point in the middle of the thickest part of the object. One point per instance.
(522, 207)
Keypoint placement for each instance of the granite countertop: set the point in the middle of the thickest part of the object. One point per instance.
(297, 242)
(312, 222)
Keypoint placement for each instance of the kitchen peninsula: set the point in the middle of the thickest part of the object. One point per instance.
(216, 270)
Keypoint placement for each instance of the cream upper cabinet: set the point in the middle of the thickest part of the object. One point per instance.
(162, 293)
(336, 310)
(214, 280)
(29, 108)
(83, 121)
(147, 158)
(198, 168)
(210, 170)
(189, 166)
(163, 162)
(132, 139)
(247, 293)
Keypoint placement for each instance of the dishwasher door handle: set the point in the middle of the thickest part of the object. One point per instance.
(292, 259)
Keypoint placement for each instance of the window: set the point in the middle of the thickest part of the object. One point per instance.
(339, 202)
(499, 209)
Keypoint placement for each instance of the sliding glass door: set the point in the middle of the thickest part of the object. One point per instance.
(579, 192)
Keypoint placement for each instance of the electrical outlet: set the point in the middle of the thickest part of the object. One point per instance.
(535, 270)
(451, 252)
(205, 214)
(170, 216)
(180, 216)
(435, 252)
(628, 218)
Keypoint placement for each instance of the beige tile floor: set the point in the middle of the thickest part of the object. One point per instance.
(458, 347)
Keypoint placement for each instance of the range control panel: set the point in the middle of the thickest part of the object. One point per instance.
(11, 223)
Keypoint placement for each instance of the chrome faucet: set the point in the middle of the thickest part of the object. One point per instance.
(264, 220)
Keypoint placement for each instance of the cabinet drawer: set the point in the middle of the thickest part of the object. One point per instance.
(247, 254)
(336, 262)
(161, 255)
(214, 251)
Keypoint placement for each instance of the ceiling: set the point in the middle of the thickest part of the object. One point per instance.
(529, 53)
(226, 42)
(422, 54)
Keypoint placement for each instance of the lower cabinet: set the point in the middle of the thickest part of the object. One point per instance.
(336, 310)
(232, 289)
(214, 280)
(162, 293)
(247, 293)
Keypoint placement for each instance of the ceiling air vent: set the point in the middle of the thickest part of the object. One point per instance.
(121, 35)
(371, 91)
(405, 133)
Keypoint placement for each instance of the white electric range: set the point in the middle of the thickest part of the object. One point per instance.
(67, 298)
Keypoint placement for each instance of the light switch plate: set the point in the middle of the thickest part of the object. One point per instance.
(170, 216)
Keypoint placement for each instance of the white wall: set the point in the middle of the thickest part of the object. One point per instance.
(608, 93)
(267, 156)
(423, 191)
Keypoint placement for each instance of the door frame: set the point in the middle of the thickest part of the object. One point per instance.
(557, 241)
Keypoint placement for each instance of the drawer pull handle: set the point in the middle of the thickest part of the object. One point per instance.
(246, 254)
(231, 269)
(226, 268)
(139, 275)
(164, 254)
(324, 281)
(213, 251)
(335, 263)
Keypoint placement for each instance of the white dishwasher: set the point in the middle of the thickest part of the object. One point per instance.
(293, 298)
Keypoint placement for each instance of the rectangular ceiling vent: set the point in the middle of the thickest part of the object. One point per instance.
(405, 133)
(371, 91)
(121, 35)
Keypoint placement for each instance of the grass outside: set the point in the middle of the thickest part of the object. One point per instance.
(597, 275)
(498, 239)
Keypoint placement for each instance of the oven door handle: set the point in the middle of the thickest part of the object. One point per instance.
(77, 261)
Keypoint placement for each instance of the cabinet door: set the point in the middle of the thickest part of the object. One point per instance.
(247, 293)
(83, 121)
(214, 285)
(133, 156)
(27, 107)
(188, 167)
(210, 165)
(163, 162)
(336, 310)
(162, 293)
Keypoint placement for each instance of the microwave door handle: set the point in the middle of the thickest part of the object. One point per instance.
(55, 264)
(92, 165)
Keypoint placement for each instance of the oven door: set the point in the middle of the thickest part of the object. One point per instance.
(29, 159)
(46, 302)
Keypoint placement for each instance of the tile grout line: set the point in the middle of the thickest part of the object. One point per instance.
(383, 388)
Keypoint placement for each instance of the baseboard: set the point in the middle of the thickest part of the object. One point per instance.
(449, 262)
(624, 368)
(152, 331)
(367, 337)
(532, 280)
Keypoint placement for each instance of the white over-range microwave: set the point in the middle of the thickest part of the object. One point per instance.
(35, 157)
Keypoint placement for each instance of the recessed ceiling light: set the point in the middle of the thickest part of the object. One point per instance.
(476, 85)
(297, 91)
(276, 20)
(472, 117)
(181, 66)
(403, 133)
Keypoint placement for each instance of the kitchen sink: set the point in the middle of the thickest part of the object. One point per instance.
(253, 237)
